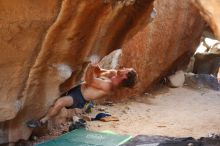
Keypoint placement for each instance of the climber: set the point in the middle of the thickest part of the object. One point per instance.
(97, 83)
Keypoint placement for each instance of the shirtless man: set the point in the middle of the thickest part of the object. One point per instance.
(98, 83)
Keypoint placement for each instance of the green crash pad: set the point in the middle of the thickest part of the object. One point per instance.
(82, 137)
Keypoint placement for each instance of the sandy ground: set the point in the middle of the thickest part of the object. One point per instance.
(175, 112)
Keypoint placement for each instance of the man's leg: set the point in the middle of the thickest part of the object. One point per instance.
(64, 101)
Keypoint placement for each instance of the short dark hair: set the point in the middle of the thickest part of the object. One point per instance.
(131, 79)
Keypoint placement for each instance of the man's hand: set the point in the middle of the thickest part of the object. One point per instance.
(94, 59)
(92, 72)
(94, 65)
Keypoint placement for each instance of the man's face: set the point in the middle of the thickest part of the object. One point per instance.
(121, 75)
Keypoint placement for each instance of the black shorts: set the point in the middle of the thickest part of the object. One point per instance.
(78, 99)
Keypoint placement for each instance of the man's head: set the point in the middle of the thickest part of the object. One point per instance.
(125, 77)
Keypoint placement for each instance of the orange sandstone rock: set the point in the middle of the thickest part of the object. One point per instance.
(44, 45)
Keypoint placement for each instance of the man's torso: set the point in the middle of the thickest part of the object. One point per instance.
(91, 93)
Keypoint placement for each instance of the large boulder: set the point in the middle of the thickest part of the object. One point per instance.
(44, 44)
(163, 46)
(210, 10)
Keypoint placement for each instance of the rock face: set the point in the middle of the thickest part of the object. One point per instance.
(166, 42)
(43, 47)
(210, 10)
(23, 25)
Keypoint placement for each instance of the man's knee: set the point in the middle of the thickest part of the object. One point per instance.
(63, 102)
(59, 103)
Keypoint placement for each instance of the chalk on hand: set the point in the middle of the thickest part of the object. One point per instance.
(94, 59)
